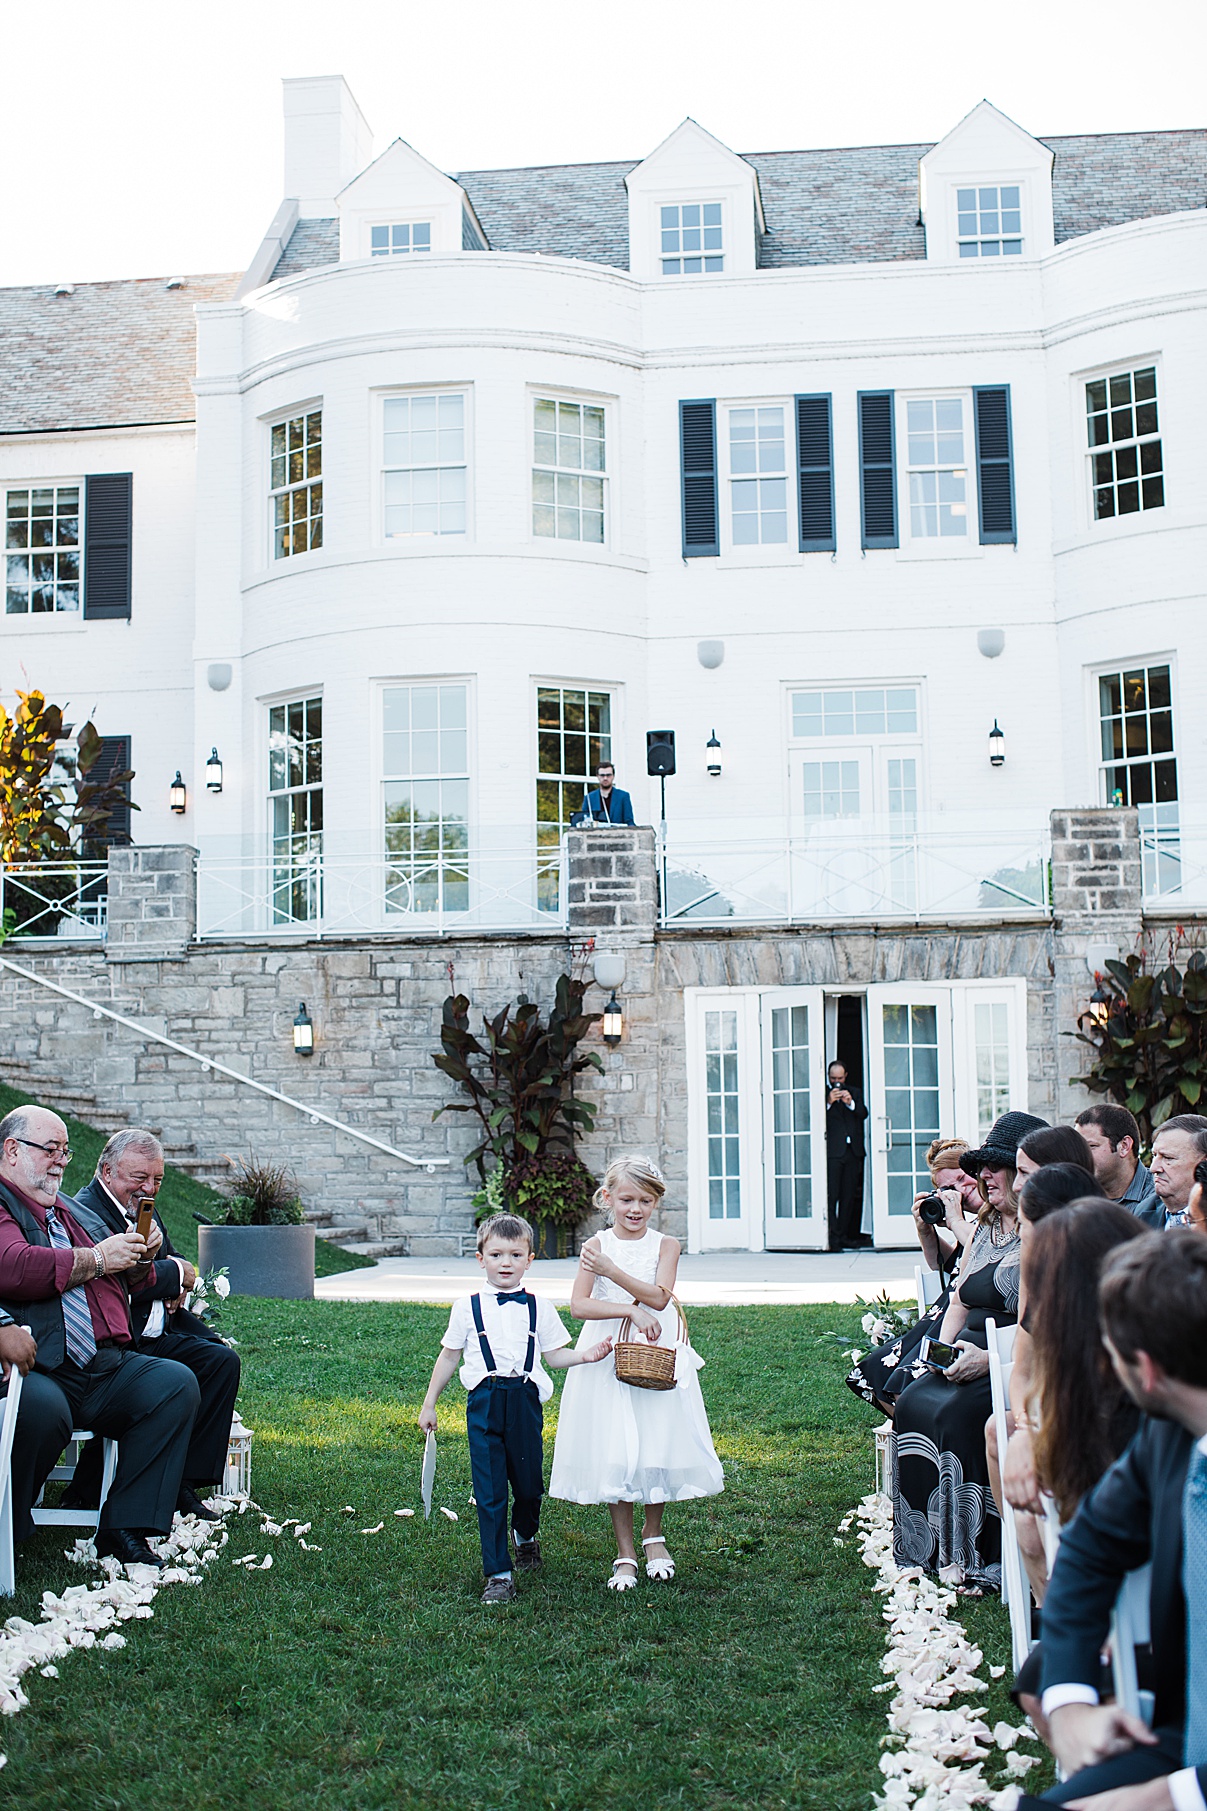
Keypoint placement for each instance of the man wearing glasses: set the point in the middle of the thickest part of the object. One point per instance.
(68, 1289)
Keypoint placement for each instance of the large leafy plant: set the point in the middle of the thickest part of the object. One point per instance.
(519, 1075)
(52, 803)
(1149, 1039)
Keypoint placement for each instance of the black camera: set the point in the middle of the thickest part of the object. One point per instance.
(932, 1210)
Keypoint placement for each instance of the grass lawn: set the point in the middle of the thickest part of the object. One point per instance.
(179, 1197)
(367, 1675)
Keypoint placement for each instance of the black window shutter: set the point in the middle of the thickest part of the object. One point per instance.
(815, 473)
(698, 454)
(995, 463)
(114, 757)
(108, 518)
(878, 478)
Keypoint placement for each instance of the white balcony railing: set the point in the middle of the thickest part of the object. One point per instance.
(55, 899)
(858, 869)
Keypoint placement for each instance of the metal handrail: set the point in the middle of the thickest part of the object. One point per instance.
(430, 1164)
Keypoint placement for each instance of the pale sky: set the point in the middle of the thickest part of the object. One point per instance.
(141, 139)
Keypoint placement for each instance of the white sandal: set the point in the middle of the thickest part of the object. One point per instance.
(663, 1567)
(620, 1581)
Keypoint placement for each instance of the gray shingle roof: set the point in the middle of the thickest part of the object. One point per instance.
(848, 206)
(109, 355)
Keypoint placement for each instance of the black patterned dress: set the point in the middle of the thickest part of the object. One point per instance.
(882, 1374)
(944, 1516)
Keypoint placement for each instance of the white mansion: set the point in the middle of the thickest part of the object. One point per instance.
(868, 472)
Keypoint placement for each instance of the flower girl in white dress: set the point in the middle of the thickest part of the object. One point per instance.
(617, 1444)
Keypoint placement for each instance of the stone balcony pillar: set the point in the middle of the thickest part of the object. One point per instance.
(1097, 890)
(152, 902)
(612, 884)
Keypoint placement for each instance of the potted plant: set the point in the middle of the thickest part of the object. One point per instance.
(556, 1191)
(263, 1244)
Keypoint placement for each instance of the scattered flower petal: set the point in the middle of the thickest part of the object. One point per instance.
(376, 1530)
(450, 1513)
(301, 1529)
(404, 1512)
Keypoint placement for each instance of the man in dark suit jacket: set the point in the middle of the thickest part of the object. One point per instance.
(845, 1114)
(63, 1283)
(607, 804)
(1154, 1315)
(130, 1172)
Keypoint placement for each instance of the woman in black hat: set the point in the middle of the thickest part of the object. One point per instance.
(944, 1517)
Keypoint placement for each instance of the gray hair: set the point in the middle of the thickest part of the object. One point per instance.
(132, 1139)
(14, 1124)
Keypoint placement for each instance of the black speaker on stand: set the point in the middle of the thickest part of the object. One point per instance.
(659, 761)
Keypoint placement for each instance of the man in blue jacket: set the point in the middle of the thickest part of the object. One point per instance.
(607, 804)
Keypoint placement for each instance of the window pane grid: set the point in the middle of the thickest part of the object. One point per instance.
(295, 798)
(691, 238)
(760, 503)
(937, 473)
(574, 734)
(400, 238)
(425, 761)
(878, 711)
(1139, 764)
(569, 467)
(911, 1099)
(42, 550)
(793, 1171)
(296, 485)
(722, 1115)
(423, 455)
(989, 222)
(1126, 467)
(991, 1043)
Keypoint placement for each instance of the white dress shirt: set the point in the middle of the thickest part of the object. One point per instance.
(506, 1328)
(157, 1319)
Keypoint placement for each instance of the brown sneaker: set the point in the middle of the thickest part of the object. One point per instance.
(528, 1556)
(499, 1590)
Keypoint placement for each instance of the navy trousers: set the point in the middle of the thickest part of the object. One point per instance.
(506, 1431)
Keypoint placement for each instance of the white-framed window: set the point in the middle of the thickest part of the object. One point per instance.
(399, 237)
(872, 711)
(1126, 467)
(425, 796)
(938, 469)
(569, 469)
(424, 464)
(295, 805)
(296, 484)
(1139, 764)
(991, 1048)
(722, 1115)
(989, 221)
(691, 241)
(42, 542)
(758, 475)
(573, 736)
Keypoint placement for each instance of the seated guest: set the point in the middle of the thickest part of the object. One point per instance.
(66, 1288)
(1196, 1207)
(1150, 1507)
(1177, 1147)
(1054, 1186)
(1113, 1136)
(880, 1375)
(129, 1173)
(1053, 1144)
(944, 1516)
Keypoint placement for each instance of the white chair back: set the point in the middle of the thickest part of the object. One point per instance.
(8, 1429)
(1016, 1587)
(929, 1287)
(1130, 1630)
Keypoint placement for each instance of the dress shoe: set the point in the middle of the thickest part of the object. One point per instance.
(528, 1556)
(189, 1503)
(127, 1545)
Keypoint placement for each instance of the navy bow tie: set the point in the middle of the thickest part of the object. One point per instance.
(519, 1295)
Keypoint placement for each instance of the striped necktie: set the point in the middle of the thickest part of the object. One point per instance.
(77, 1315)
(1194, 1580)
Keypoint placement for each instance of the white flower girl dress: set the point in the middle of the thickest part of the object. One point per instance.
(617, 1444)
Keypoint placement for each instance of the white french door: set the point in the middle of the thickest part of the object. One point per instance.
(723, 1122)
(910, 1094)
(794, 1128)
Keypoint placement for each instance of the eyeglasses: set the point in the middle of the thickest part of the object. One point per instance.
(49, 1150)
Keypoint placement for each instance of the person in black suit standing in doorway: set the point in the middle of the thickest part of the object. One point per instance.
(845, 1114)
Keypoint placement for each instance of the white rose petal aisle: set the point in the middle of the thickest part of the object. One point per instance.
(936, 1753)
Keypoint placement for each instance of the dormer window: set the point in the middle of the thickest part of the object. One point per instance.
(400, 237)
(691, 238)
(989, 222)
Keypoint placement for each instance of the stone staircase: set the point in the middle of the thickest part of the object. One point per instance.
(213, 1172)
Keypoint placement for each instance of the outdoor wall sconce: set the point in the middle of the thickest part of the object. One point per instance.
(713, 750)
(178, 796)
(303, 1032)
(613, 1023)
(997, 746)
(213, 773)
(1100, 1004)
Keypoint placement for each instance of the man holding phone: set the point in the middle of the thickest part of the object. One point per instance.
(121, 1196)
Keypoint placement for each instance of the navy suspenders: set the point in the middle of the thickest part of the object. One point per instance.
(488, 1357)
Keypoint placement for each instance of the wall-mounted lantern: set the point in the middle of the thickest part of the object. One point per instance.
(213, 773)
(613, 1023)
(997, 746)
(713, 750)
(303, 1032)
(178, 797)
(1100, 1004)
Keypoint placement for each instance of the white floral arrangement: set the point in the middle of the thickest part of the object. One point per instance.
(881, 1323)
(207, 1295)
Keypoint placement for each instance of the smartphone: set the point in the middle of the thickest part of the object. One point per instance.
(938, 1355)
(146, 1215)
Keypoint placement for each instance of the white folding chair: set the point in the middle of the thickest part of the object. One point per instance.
(12, 1402)
(1130, 1630)
(64, 1471)
(1016, 1587)
(929, 1285)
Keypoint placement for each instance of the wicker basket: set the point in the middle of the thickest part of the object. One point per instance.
(645, 1366)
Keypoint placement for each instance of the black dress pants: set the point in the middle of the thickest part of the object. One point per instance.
(148, 1405)
(216, 1368)
(503, 1419)
(845, 1191)
(43, 1430)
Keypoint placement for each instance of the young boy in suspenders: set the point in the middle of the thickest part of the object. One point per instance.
(504, 1336)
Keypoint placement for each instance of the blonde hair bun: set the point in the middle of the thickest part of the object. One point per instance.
(641, 1171)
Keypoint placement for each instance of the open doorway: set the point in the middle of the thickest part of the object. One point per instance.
(846, 1043)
